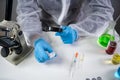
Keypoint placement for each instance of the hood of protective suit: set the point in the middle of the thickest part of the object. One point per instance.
(64, 11)
(61, 11)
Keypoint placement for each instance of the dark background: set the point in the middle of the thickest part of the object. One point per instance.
(115, 3)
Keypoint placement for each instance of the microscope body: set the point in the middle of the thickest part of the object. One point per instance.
(14, 48)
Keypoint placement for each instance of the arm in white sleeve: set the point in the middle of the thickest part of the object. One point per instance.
(94, 17)
(29, 19)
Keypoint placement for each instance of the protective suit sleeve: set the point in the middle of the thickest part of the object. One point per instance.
(29, 19)
(93, 18)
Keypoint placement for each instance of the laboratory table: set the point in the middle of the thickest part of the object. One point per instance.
(94, 63)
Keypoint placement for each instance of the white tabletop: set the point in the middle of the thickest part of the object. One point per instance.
(92, 66)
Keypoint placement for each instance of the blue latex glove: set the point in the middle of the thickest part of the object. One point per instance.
(117, 73)
(68, 35)
(41, 47)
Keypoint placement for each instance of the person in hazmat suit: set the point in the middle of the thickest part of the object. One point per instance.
(78, 18)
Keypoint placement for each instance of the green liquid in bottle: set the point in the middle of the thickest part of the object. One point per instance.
(104, 39)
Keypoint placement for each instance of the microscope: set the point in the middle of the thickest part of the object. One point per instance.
(13, 45)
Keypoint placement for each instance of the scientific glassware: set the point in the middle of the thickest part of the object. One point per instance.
(111, 47)
(116, 59)
(104, 39)
(117, 73)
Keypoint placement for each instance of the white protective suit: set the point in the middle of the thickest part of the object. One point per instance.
(89, 19)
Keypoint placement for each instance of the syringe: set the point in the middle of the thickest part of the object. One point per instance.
(76, 56)
(73, 65)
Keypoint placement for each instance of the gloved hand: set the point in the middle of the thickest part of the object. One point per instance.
(41, 47)
(68, 35)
